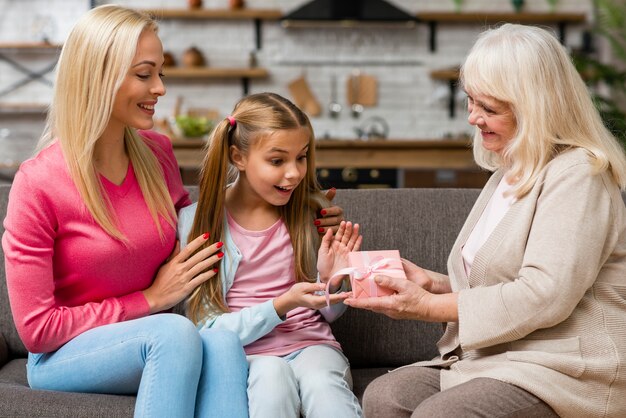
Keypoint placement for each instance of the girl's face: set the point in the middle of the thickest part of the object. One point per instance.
(495, 120)
(274, 165)
(135, 100)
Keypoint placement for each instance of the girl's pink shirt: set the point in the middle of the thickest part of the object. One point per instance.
(265, 272)
(65, 275)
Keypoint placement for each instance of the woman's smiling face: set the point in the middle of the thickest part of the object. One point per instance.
(137, 96)
(494, 118)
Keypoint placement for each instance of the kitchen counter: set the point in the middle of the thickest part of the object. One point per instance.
(388, 153)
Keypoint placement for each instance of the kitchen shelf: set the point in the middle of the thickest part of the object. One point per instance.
(9, 48)
(560, 19)
(256, 15)
(28, 45)
(200, 73)
(211, 72)
(230, 14)
(451, 76)
(446, 74)
(23, 108)
(245, 74)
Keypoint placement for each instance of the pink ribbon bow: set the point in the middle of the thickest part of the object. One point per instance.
(362, 273)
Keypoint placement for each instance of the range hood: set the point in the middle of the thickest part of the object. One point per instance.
(348, 13)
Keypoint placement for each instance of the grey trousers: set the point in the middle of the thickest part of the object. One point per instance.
(415, 392)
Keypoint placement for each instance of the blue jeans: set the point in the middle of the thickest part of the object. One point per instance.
(175, 370)
(314, 382)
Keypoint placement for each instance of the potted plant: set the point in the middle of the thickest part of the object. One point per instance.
(608, 81)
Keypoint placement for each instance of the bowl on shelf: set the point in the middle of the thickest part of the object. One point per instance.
(191, 127)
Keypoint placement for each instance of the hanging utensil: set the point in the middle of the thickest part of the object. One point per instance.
(355, 81)
(303, 97)
(334, 108)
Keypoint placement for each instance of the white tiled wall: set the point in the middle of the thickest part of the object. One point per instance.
(414, 105)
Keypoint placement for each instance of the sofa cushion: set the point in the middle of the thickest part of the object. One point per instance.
(363, 377)
(18, 400)
(7, 327)
(369, 339)
(4, 351)
(423, 224)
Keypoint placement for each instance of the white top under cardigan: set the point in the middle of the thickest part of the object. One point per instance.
(495, 210)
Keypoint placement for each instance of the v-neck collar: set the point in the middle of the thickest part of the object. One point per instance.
(490, 245)
(123, 188)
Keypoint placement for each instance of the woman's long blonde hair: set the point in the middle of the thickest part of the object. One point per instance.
(527, 68)
(94, 61)
(256, 116)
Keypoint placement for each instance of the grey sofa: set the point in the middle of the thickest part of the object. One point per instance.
(421, 223)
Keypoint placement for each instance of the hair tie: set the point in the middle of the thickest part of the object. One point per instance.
(231, 120)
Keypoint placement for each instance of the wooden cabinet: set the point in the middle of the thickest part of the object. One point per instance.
(419, 163)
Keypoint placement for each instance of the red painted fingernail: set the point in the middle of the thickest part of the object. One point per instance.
(205, 235)
(317, 223)
(320, 229)
(323, 211)
(214, 270)
(220, 254)
(220, 244)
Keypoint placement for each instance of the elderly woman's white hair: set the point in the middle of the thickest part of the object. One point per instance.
(527, 68)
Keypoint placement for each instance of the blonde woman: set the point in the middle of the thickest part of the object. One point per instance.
(91, 234)
(534, 298)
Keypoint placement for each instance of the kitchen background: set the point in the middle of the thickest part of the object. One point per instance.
(359, 84)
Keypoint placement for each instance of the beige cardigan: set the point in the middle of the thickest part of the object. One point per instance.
(544, 307)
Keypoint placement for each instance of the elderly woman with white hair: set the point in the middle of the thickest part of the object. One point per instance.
(535, 295)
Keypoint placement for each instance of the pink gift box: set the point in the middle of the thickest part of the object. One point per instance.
(366, 265)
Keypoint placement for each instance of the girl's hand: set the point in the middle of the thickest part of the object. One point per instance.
(331, 216)
(179, 276)
(333, 252)
(304, 295)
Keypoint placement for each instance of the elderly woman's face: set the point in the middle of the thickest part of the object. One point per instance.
(495, 120)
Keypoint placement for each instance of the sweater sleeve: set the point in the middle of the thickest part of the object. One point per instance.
(28, 243)
(569, 240)
(249, 324)
(333, 312)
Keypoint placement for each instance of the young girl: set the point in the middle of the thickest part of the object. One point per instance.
(265, 290)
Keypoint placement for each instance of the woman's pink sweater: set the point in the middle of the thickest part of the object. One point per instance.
(65, 275)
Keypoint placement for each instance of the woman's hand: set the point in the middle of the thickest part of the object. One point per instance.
(331, 216)
(429, 280)
(411, 301)
(182, 273)
(333, 253)
(305, 295)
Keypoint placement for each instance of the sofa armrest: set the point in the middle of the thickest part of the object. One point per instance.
(4, 351)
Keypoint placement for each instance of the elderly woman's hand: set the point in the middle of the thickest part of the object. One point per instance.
(431, 281)
(412, 300)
